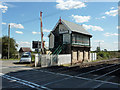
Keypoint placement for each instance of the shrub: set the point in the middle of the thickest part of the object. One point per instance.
(33, 58)
(104, 55)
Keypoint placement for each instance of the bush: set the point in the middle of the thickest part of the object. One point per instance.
(108, 54)
(33, 58)
(104, 55)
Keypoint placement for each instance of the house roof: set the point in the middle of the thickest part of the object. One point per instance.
(50, 33)
(75, 27)
(25, 49)
(72, 27)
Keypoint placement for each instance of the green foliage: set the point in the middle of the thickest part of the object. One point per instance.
(13, 45)
(105, 50)
(33, 58)
(98, 49)
(103, 54)
(107, 54)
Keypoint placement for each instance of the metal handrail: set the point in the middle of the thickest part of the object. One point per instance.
(56, 50)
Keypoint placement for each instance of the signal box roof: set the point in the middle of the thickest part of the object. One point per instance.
(73, 27)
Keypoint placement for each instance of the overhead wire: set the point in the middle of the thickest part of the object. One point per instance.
(49, 15)
(44, 17)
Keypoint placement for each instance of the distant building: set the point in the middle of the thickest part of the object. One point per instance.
(24, 49)
(72, 39)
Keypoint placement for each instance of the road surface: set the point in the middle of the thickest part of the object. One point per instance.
(21, 76)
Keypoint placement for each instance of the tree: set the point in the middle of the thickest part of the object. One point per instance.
(105, 50)
(98, 49)
(13, 47)
(118, 50)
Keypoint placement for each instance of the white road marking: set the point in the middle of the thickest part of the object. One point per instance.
(18, 81)
(24, 82)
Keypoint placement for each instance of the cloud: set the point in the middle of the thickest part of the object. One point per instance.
(118, 27)
(3, 8)
(14, 25)
(69, 4)
(111, 34)
(46, 30)
(46, 44)
(112, 8)
(112, 12)
(103, 17)
(19, 32)
(45, 38)
(97, 18)
(96, 41)
(24, 44)
(9, 5)
(116, 42)
(93, 28)
(81, 19)
(110, 46)
(3, 23)
(35, 32)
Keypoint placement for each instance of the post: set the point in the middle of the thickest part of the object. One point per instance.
(41, 33)
(38, 50)
(71, 48)
(8, 41)
(37, 57)
(99, 43)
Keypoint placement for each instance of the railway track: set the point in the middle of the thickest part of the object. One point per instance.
(103, 72)
(88, 75)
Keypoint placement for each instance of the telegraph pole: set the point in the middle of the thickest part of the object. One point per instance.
(41, 33)
(99, 43)
(8, 41)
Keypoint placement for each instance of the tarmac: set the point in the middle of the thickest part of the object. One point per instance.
(103, 76)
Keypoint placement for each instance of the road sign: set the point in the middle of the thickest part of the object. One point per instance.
(36, 44)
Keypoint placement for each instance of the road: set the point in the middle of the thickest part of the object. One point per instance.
(21, 76)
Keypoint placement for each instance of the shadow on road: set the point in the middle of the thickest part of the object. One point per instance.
(22, 62)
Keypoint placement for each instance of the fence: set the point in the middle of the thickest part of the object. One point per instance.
(52, 60)
(93, 56)
(64, 59)
(48, 60)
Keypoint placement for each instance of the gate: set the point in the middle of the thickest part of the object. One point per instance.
(52, 60)
(48, 60)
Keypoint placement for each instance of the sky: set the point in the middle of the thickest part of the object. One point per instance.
(100, 19)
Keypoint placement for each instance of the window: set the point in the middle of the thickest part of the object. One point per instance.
(73, 38)
(24, 56)
(80, 39)
(76, 38)
(86, 40)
